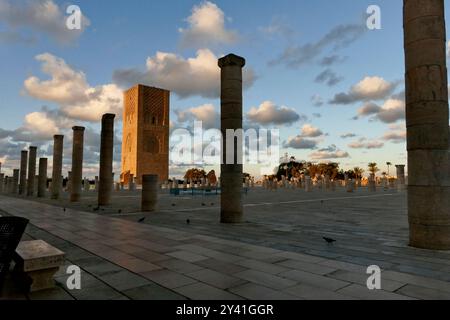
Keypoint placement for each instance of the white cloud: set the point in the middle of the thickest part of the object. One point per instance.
(39, 122)
(38, 16)
(370, 88)
(309, 131)
(186, 77)
(332, 152)
(391, 111)
(365, 144)
(269, 113)
(299, 142)
(206, 113)
(206, 27)
(70, 90)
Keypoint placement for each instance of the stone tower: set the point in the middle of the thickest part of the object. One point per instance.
(145, 141)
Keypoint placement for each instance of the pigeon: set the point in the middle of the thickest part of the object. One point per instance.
(173, 204)
(329, 240)
(96, 209)
(64, 209)
(120, 210)
(188, 221)
(203, 204)
(141, 220)
(212, 204)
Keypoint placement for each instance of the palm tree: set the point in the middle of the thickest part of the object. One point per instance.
(358, 172)
(373, 169)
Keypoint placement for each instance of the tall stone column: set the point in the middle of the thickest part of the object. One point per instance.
(42, 181)
(23, 172)
(106, 160)
(149, 193)
(31, 170)
(2, 181)
(15, 184)
(427, 119)
(231, 118)
(77, 163)
(400, 177)
(58, 144)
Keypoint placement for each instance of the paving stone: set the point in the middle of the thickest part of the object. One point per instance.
(124, 280)
(306, 266)
(262, 266)
(201, 291)
(216, 279)
(168, 279)
(220, 266)
(187, 256)
(314, 293)
(51, 294)
(179, 266)
(253, 291)
(152, 292)
(265, 279)
(138, 265)
(314, 280)
(361, 278)
(361, 292)
(417, 280)
(423, 293)
(101, 292)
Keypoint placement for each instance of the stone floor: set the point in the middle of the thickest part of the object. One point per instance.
(278, 253)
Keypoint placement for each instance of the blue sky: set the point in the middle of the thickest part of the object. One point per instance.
(121, 35)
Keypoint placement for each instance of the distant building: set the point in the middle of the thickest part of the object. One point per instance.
(145, 141)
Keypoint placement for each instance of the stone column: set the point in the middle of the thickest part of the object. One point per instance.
(58, 144)
(149, 193)
(23, 172)
(427, 119)
(400, 177)
(131, 183)
(31, 171)
(15, 183)
(77, 163)
(42, 183)
(372, 183)
(106, 160)
(2, 181)
(231, 118)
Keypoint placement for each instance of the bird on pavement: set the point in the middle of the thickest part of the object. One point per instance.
(329, 240)
(141, 220)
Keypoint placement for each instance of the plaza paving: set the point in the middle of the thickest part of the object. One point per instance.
(277, 253)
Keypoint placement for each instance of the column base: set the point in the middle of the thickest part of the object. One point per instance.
(429, 237)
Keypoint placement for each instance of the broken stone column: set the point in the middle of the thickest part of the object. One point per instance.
(77, 163)
(400, 177)
(31, 171)
(427, 119)
(149, 193)
(42, 182)
(2, 181)
(308, 184)
(131, 183)
(372, 184)
(106, 160)
(23, 172)
(58, 144)
(69, 181)
(349, 185)
(15, 181)
(231, 119)
(96, 183)
(86, 185)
